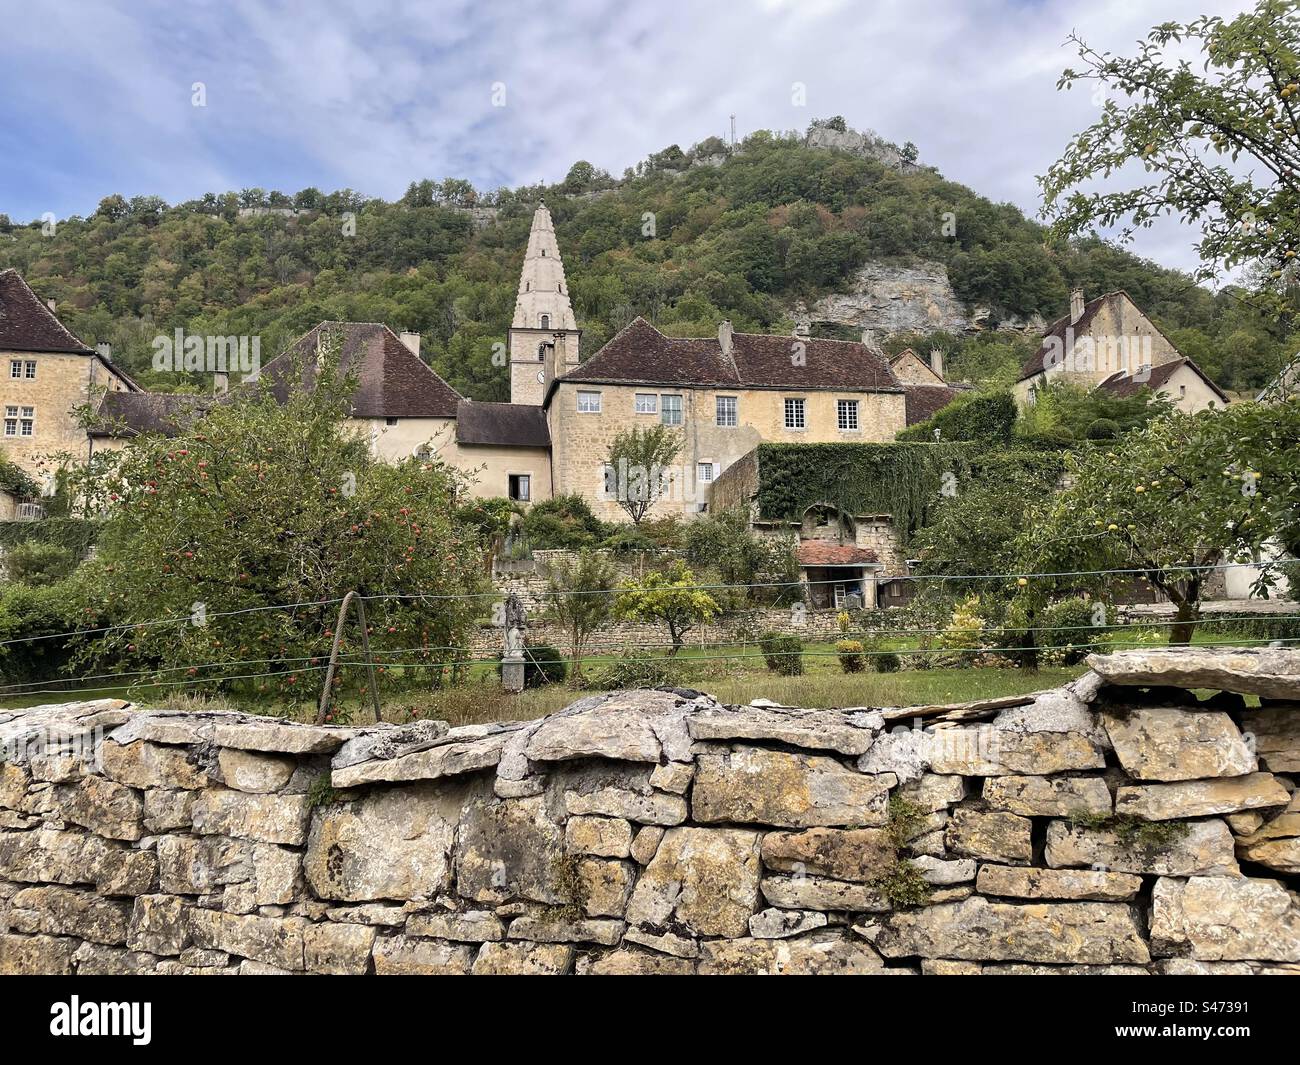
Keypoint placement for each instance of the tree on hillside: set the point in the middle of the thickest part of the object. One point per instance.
(1173, 501)
(580, 600)
(638, 470)
(672, 599)
(260, 504)
(1218, 138)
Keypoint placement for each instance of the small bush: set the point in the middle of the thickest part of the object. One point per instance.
(1104, 429)
(783, 654)
(887, 662)
(1067, 632)
(850, 655)
(39, 564)
(631, 671)
(543, 664)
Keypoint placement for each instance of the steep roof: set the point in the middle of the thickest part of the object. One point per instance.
(392, 381)
(127, 414)
(1154, 377)
(501, 424)
(640, 354)
(542, 285)
(27, 324)
(925, 401)
(1038, 362)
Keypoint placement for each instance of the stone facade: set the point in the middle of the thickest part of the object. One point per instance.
(1095, 340)
(582, 438)
(661, 832)
(62, 382)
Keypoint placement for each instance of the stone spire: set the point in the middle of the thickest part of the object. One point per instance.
(543, 321)
(543, 290)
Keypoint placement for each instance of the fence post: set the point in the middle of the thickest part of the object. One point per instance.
(334, 656)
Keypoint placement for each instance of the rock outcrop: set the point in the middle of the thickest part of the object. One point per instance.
(1121, 824)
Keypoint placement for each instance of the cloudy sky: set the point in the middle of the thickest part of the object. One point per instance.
(375, 93)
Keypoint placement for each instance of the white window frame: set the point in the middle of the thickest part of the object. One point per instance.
(525, 483)
(703, 465)
(588, 402)
(847, 410)
(27, 422)
(666, 408)
(732, 411)
(29, 368)
(646, 403)
(16, 369)
(796, 413)
(11, 421)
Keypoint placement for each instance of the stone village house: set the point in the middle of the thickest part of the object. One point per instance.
(1108, 343)
(726, 394)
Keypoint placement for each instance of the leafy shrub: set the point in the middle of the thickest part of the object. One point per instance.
(783, 654)
(1104, 429)
(27, 612)
(39, 564)
(887, 662)
(850, 655)
(1068, 631)
(560, 522)
(977, 416)
(543, 664)
(633, 670)
(965, 628)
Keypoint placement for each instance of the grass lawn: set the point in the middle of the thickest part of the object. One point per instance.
(732, 674)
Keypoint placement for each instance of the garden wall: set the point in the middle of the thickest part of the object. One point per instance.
(1119, 825)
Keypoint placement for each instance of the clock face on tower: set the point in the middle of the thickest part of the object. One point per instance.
(541, 377)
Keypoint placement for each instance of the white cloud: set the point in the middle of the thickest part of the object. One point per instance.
(376, 94)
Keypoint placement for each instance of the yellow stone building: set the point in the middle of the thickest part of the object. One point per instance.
(724, 394)
(46, 376)
(1109, 343)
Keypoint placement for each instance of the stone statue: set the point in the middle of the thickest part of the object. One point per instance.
(512, 657)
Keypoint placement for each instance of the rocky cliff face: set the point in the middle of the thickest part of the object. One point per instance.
(885, 299)
(1118, 825)
(866, 145)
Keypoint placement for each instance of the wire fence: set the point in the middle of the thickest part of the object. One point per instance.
(730, 647)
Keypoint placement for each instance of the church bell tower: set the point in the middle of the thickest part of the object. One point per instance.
(542, 310)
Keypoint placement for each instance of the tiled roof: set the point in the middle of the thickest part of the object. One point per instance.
(27, 324)
(1155, 377)
(822, 553)
(640, 354)
(502, 424)
(1038, 362)
(126, 414)
(925, 401)
(392, 381)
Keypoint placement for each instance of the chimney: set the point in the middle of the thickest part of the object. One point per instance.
(412, 341)
(105, 350)
(936, 362)
(556, 352)
(1076, 305)
(52, 306)
(725, 333)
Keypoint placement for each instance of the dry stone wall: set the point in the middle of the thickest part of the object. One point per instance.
(1118, 825)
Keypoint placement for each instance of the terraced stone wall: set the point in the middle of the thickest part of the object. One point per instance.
(1121, 824)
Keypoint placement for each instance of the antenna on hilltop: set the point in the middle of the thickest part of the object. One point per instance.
(733, 130)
